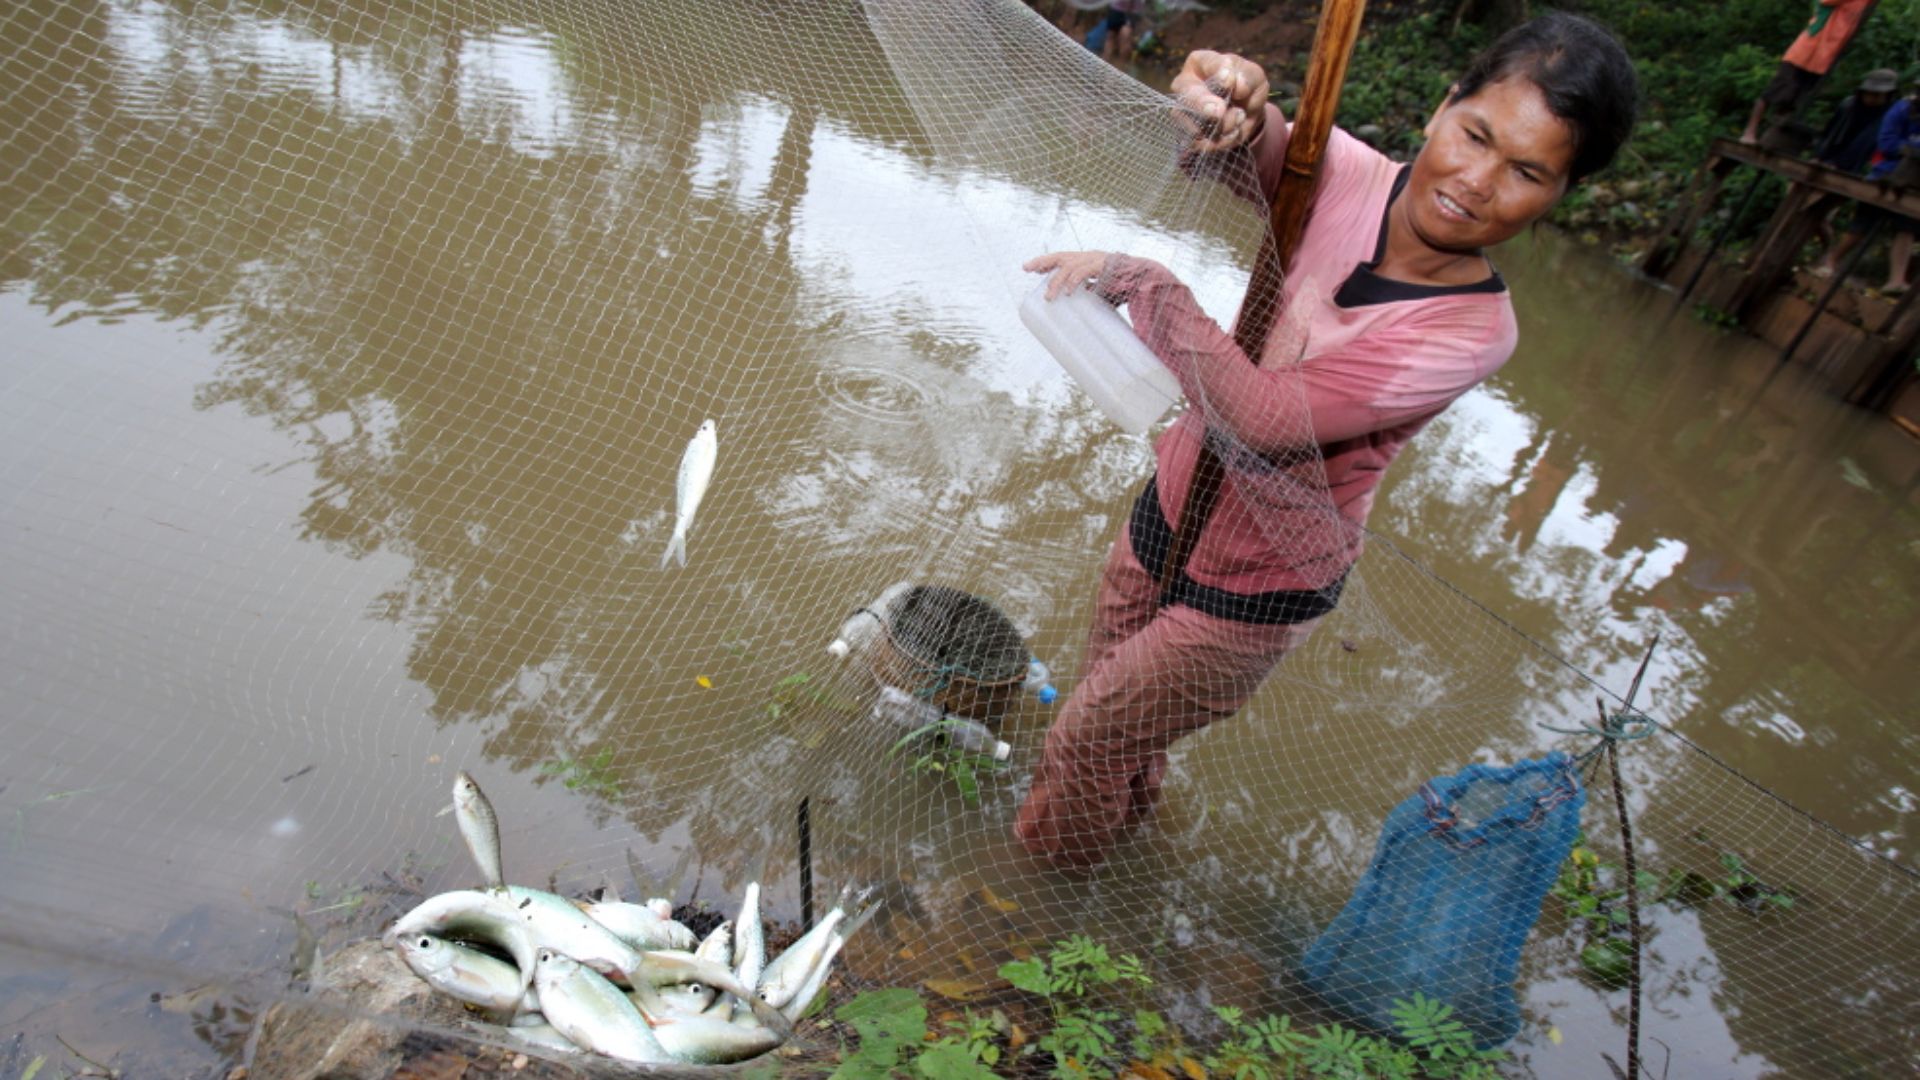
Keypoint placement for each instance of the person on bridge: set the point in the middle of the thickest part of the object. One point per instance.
(1390, 311)
(1807, 61)
(1898, 140)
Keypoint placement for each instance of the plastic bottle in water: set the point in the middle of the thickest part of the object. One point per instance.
(899, 707)
(1038, 683)
(863, 626)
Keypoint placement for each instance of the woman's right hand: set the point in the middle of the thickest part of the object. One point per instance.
(1070, 270)
(1222, 98)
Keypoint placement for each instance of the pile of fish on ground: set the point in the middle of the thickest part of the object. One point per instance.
(624, 980)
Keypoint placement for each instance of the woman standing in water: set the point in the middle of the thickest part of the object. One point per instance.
(1390, 311)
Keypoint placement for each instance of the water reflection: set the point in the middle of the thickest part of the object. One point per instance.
(381, 331)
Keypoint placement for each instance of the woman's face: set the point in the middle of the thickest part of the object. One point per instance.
(1493, 163)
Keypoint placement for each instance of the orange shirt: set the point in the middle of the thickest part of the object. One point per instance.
(1819, 45)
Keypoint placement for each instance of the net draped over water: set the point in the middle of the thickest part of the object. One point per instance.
(427, 300)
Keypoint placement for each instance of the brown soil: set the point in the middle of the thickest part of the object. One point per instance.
(1277, 37)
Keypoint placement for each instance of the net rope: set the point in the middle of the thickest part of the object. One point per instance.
(358, 348)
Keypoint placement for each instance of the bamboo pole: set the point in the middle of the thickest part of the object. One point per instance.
(1306, 147)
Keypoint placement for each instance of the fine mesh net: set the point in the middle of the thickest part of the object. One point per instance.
(360, 347)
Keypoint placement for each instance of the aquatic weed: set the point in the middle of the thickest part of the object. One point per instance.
(593, 775)
(943, 756)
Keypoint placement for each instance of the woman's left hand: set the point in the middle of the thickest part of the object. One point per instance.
(1070, 269)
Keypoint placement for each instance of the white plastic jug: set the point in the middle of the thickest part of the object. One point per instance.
(1098, 348)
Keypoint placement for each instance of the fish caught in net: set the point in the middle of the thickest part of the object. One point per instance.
(356, 350)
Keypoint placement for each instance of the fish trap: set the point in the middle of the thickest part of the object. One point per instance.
(953, 649)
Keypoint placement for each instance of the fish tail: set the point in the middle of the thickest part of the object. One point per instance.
(676, 549)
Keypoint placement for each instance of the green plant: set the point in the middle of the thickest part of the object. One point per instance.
(1583, 889)
(1253, 1049)
(941, 755)
(1074, 978)
(1714, 316)
(971, 1041)
(1743, 888)
(1431, 1031)
(888, 1022)
(1586, 892)
(1078, 979)
(594, 775)
(341, 897)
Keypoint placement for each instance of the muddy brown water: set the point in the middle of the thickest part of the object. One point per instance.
(346, 375)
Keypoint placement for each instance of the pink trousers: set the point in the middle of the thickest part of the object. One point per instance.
(1149, 676)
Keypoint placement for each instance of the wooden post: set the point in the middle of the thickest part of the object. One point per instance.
(1306, 146)
(1800, 212)
(1884, 374)
(1671, 244)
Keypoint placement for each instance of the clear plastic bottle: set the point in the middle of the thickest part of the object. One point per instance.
(1038, 681)
(864, 625)
(1097, 346)
(899, 707)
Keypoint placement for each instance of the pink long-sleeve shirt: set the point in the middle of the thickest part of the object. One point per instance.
(1356, 364)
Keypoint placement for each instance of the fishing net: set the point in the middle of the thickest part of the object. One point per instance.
(353, 352)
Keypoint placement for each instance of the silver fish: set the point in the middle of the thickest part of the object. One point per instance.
(750, 938)
(479, 827)
(590, 1011)
(718, 947)
(542, 1036)
(708, 1040)
(558, 924)
(519, 921)
(787, 975)
(641, 925)
(662, 969)
(793, 979)
(696, 472)
(474, 916)
(466, 974)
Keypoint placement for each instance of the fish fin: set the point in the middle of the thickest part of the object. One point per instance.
(861, 917)
(676, 549)
(771, 1018)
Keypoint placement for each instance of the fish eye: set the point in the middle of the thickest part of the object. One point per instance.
(426, 943)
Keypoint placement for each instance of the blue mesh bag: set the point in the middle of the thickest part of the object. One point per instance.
(1454, 887)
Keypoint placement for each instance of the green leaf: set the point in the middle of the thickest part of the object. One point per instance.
(863, 1067)
(950, 1061)
(1686, 887)
(894, 1015)
(963, 779)
(34, 1067)
(1028, 975)
(1605, 964)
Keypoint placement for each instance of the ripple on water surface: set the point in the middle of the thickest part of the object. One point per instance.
(872, 392)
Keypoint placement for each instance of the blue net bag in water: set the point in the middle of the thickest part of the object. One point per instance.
(1454, 887)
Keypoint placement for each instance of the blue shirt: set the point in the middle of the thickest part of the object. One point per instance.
(1899, 131)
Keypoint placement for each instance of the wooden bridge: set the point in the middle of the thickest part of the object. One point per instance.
(1864, 345)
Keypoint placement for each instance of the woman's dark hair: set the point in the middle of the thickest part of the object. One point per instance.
(1583, 72)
